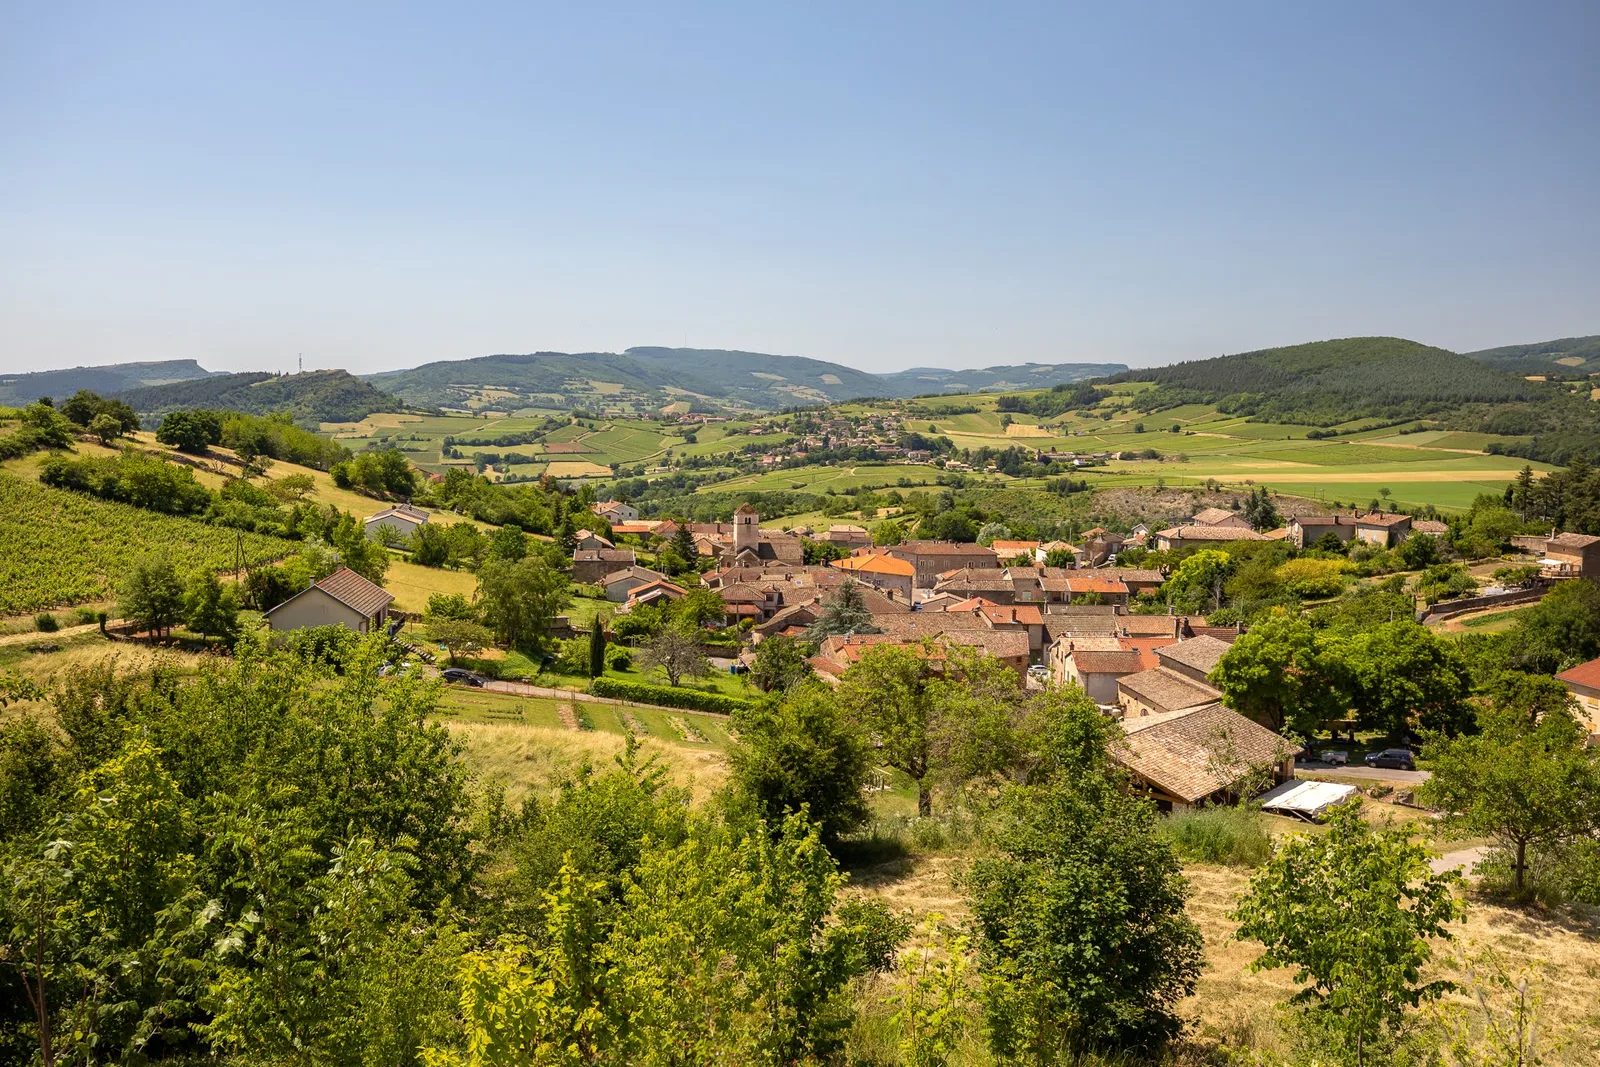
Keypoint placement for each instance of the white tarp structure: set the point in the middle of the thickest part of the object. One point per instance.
(1307, 800)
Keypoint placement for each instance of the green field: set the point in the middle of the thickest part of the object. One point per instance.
(1440, 467)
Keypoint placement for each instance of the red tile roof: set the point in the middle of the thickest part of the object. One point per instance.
(1584, 674)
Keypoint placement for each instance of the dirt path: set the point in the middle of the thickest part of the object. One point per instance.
(569, 717)
(1462, 859)
(29, 636)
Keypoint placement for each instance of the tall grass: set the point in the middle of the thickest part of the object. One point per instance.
(1231, 836)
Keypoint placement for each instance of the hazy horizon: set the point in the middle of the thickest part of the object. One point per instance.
(883, 188)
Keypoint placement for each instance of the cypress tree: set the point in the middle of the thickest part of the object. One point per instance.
(597, 648)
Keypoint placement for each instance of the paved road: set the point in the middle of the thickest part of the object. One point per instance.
(1360, 773)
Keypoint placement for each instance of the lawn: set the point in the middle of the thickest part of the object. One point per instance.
(413, 585)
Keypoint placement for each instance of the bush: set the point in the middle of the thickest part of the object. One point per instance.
(618, 658)
(1231, 836)
(666, 696)
(86, 615)
(1559, 877)
(45, 623)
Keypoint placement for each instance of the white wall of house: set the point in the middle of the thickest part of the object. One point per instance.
(397, 523)
(315, 607)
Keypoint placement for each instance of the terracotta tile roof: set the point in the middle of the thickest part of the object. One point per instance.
(1573, 540)
(1140, 575)
(1584, 674)
(1058, 626)
(1152, 625)
(1212, 516)
(1194, 753)
(1164, 689)
(603, 555)
(1121, 661)
(942, 548)
(1146, 648)
(1211, 533)
(1200, 653)
(1012, 548)
(1380, 519)
(1096, 584)
(876, 564)
(353, 591)
(1012, 614)
(1432, 527)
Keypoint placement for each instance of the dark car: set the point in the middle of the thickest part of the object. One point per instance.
(1398, 759)
(461, 677)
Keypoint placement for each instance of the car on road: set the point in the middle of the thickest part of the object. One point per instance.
(457, 676)
(1396, 759)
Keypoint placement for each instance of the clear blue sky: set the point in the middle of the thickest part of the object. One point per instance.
(377, 185)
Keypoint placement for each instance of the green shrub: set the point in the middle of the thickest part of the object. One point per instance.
(86, 615)
(665, 696)
(1556, 877)
(46, 623)
(1232, 836)
(618, 658)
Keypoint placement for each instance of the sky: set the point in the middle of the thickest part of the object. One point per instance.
(373, 186)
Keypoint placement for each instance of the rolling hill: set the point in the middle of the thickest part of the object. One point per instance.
(920, 380)
(1326, 383)
(1568, 357)
(650, 376)
(17, 389)
(312, 397)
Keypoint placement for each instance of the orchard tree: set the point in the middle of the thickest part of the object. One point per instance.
(190, 431)
(520, 599)
(675, 648)
(932, 712)
(211, 608)
(152, 596)
(889, 532)
(1352, 911)
(1284, 675)
(1529, 780)
(106, 426)
(1405, 676)
(1197, 581)
(1083, 942)
(460, 637)
(780, 663)
(803, 753)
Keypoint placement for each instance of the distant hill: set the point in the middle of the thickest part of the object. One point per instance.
(311, 397)
(17, 389)
(1328, 382)
(920, 380)
(1569, 357)
(652, 376)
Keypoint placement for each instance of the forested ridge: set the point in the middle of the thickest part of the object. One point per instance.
(1324, 383)
(310, 397)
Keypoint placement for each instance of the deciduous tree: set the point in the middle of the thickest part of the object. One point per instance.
(802, 753)
(1528, 779)
(1352, 911)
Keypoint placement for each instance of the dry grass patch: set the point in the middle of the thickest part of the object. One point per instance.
(524, 759)
(570, 468)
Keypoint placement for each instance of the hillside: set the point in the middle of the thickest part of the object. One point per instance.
(643, 379)
(311, 397)
(18, 389)
(1329, 382)
(1568, 357)
(920, 380)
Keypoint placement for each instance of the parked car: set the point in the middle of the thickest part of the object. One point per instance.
(1338, 757)
(457, 676)
(1399, 759)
